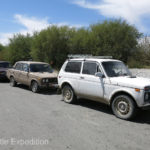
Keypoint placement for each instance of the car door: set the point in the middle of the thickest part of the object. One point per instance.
(91, 86)
(24, 74)
(16, 72)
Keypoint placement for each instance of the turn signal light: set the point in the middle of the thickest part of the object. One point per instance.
(137, 90)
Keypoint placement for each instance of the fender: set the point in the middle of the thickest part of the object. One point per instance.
(121, 90)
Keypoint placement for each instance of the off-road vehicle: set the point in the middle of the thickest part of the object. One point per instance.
(105, 80)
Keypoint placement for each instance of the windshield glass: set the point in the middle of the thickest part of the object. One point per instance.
(4, 65)
(41, 68)
(116, 69)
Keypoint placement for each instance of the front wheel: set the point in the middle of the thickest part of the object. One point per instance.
(13, 83)
(68, 94)
(123, 107)
(34, 87)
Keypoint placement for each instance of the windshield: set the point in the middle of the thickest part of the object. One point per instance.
(4, 65)
(116, 69)
(41, 68)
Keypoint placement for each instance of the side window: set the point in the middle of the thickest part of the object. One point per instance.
(73, 67)
(18, 66)
(90, 68)
(25, 67)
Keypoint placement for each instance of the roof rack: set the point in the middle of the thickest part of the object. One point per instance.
(70, 56)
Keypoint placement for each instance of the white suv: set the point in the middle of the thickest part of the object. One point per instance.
(105, 80)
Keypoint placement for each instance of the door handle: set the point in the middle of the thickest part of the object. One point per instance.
(81, 77)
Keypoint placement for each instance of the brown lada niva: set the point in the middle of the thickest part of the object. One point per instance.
(36, 75)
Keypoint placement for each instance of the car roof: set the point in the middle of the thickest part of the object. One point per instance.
(4, 62)
(31, 62)
(93, 59)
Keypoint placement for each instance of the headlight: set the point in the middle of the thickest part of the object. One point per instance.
(146, 96)
(147, 88)
(45, 80)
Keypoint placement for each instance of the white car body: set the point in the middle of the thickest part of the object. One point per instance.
(104, 89)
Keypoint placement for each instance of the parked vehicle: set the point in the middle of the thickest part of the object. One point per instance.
(36, 75)
(105, 80)
(4, 66)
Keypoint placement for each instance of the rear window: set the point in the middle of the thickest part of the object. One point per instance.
(73, 67)
(4, 65)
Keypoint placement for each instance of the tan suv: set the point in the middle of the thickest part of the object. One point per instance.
(36, 75)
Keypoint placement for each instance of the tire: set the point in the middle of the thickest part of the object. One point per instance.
(124, 107)
(13, 83)
(34, 87)
(68, 94)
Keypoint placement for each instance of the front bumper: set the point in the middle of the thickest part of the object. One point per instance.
(3, 76)
(49, 85)
(145, 107)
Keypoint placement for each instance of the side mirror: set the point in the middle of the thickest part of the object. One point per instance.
(99, 74)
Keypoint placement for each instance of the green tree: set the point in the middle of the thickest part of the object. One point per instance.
(115, 38)
(51, 45)
(80, 42)
(2, 52)
(19, 48)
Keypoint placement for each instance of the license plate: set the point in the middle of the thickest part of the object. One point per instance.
(53, 85)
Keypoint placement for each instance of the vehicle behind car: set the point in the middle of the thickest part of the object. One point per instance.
(4, 66)
(105, 80)
(36, 75)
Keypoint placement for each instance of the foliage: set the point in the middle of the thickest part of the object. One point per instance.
(19, 48)
(51, 45)
(115, 37)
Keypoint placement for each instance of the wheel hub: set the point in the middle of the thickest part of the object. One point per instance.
(68, 94)
(123, 107)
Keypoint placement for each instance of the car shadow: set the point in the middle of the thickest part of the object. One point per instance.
(142, 117)
(94, 105)
(4, 81)
(42, 91)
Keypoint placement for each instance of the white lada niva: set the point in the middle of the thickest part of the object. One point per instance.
(105, 80)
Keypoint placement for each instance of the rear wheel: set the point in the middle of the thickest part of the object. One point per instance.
(124, 107)
(13, 83)
(68, 94)
(34, 87)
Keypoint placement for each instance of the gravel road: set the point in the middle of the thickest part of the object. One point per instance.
(141, 72)
(84, 126)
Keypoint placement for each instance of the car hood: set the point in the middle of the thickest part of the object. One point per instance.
(133, 82)
(44, 74)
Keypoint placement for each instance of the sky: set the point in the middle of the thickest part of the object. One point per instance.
(27, 16)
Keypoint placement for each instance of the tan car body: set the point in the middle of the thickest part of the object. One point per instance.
(26, 77)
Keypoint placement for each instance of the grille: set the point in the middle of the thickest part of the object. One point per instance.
(3, 72)
(53, 80)
(147, 97)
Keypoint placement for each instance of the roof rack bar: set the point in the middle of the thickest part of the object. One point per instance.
(79, 56)
(102, 57)
(70, 56)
